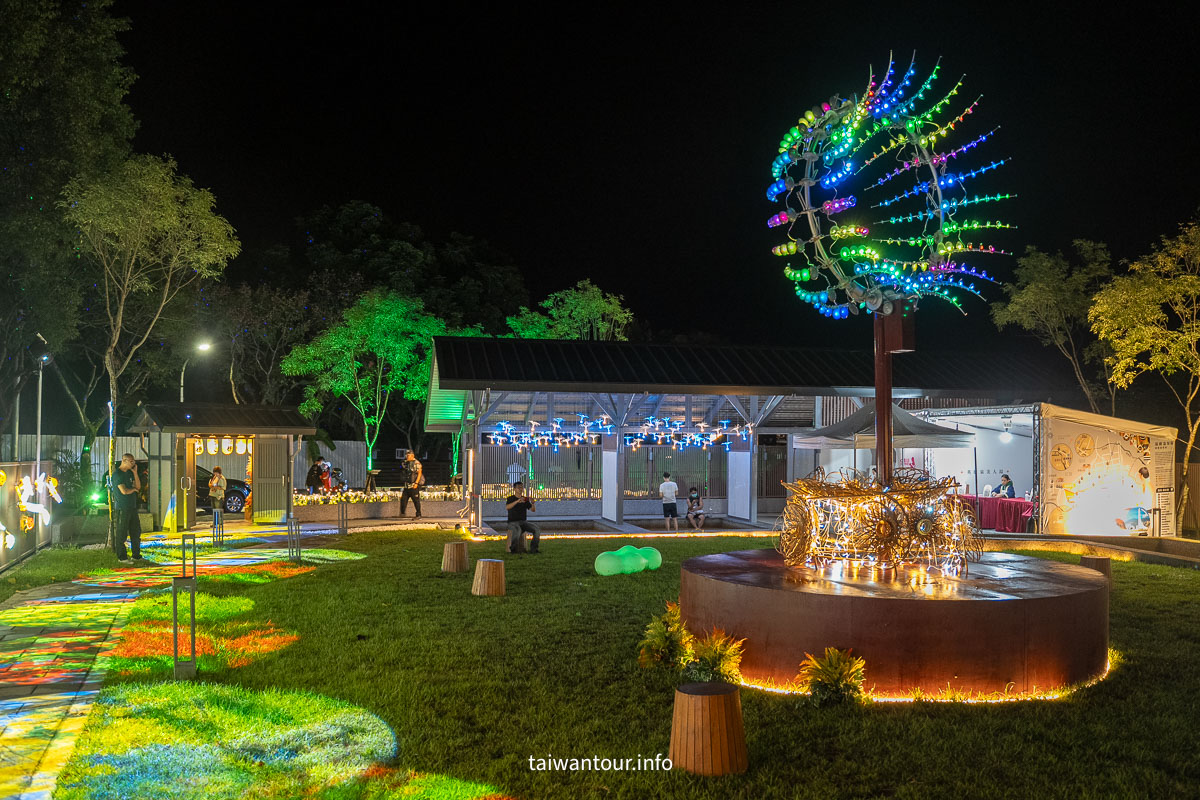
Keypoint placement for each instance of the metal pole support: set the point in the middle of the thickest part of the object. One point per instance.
(184, 668)
(183, 542)
(293, 539)
(218, 527)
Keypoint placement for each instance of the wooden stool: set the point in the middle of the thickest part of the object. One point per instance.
(454, 557)
(489, 577)
(707, 736)
(1098, 563)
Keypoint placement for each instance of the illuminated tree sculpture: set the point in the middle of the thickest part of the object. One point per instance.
(836, 261)
(844, 260)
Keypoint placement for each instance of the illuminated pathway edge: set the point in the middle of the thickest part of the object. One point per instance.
(50, 641)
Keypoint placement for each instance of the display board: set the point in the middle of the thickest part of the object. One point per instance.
(1106, 481)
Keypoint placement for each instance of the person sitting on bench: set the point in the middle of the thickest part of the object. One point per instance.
(518, 504)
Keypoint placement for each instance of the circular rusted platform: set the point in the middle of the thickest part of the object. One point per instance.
(1023, 623)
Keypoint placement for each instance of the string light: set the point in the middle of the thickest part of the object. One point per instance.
(819, 154)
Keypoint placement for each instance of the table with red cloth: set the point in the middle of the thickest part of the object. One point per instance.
(1008, 515)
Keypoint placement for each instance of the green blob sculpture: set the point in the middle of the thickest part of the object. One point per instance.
(628, 560)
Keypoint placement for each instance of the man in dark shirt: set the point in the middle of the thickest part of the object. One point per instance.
(414, 479)
(125, 489)
(518, 504)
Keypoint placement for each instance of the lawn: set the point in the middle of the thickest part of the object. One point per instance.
(471, 688)
(53, 565)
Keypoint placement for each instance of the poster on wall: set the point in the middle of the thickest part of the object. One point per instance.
(1101, 481)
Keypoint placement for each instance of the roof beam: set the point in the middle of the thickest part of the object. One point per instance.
(738, 407)
(533, 398)
(491, 408)
(765, 410)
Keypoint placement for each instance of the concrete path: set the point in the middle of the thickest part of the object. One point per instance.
(52, 640)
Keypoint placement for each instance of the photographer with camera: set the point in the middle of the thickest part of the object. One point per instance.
(518, 504)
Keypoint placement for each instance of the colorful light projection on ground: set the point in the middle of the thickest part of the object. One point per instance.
(195, 740)
(653, 431)
(848, 519)
(842, 269)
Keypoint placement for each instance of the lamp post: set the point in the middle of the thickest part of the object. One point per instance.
(203, 347)
(43, 360)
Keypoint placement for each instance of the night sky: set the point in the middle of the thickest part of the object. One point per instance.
(634, 148)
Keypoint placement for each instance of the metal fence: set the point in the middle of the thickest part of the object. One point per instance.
(693, 466)
(772, 470)
(573, 473)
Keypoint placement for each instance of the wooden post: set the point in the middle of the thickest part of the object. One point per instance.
(489, 577)
(707, 736)
(454, 557)
(1099, 563)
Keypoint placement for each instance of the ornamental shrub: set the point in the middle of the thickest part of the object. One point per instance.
(716, 657)
(667, 642)
(833, 679)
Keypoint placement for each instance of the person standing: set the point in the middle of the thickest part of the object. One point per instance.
(695, 508)
(413, 480)
(313, 480)
(518, 505)
(216, 489)
(125, 489)
(669, 489)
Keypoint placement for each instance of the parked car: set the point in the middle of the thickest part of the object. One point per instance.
(236, 492)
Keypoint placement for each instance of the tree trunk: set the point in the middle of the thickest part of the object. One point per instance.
(112, 453)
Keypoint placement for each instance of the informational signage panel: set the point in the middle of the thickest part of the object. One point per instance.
(1103, 481)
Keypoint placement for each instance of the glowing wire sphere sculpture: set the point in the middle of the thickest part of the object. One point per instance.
(885, 265)
(848, 518)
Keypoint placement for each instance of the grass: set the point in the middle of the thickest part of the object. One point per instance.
(54, 565)
(473, 687)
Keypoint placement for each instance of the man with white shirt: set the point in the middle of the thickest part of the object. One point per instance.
(668, 489)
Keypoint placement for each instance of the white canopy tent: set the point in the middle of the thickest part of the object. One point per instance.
(857, 432)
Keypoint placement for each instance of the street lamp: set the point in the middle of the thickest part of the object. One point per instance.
(43, 360)
(203, 347)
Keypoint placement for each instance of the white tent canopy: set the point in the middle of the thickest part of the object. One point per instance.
(857, 431)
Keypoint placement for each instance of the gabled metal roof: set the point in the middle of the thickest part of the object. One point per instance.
(220, 418)
(466, 363)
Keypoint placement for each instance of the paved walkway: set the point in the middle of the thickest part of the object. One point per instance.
(52, 639)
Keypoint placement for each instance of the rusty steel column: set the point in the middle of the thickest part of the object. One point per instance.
(883, 400)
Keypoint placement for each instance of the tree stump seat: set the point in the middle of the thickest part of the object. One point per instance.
(1101, 564)
(707, 736)
(489, 577)
(454, 557)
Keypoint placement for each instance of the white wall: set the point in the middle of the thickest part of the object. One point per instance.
(738, 475)
(996, 458)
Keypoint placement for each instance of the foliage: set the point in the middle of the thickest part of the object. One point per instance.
(74, 479)
(1151, 320)
(147, 234)
(62, 113)
(667, 642)
(380, 349)
(835, 678)
(262, 324)
(580, 312)
(715, 657)
(1050, 298)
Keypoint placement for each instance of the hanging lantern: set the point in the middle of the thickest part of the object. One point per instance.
(3, 477)
(212, 445)
(250, 446)
(240, 446)
(199, 446)
(227, 445)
